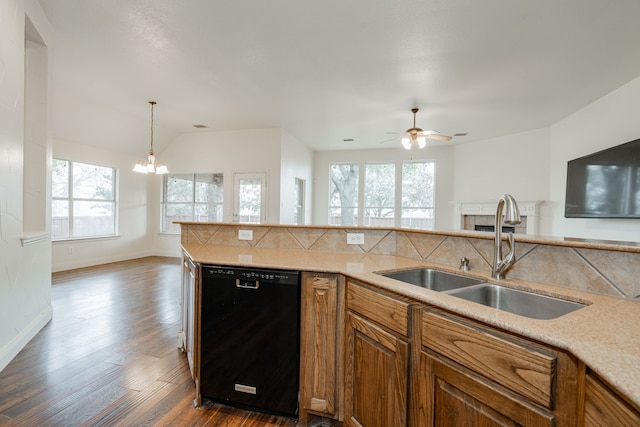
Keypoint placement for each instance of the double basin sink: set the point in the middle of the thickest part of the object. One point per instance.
(523, 303)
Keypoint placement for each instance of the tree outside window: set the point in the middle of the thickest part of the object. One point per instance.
(418, 195)
(343, 199)
(379, 194)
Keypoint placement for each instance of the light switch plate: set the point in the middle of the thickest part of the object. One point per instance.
(355, 238)
(245, 234)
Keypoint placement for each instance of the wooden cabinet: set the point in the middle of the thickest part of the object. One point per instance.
(471, 374)
(604, 408)
(376, 358)
(321, 346)
(456, 397)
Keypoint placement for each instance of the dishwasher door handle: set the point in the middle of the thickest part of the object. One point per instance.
(247, 284)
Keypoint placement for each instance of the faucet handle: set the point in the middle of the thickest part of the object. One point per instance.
(464, 264)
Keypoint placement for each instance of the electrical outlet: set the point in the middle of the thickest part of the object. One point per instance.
(245, 234)
(70, 249)
(355, 238)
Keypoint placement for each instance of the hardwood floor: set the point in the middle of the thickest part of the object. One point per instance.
(109, 356)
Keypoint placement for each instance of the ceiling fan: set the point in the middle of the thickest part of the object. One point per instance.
(416, 136)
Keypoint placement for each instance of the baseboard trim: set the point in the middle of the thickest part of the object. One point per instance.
(90, 262)
(13, 347)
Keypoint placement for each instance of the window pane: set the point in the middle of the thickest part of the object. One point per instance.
(93, 218)
(250, 202)
(209, 187)
(92, 182)
(379, 194)
(191, 197)
(337, 216)
(418, 195)
(421, 219)
(208, 213)
(179, 188)
(298, 195)
(343, 197)
(59, 219)
(60, 178)
(83, 202)
(176, 212)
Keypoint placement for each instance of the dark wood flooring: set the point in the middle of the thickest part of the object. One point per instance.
(109, 356)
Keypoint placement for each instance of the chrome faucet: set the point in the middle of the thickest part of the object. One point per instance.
(511, 217)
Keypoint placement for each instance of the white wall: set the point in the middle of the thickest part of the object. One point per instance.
(442, 154)
(515, 164)
(534, 166)
(256, 150)
(25, 265)
(133, 240)
(612, 120)
(296, 162)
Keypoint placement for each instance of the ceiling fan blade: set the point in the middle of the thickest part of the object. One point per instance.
(438, 137)
(388, 140)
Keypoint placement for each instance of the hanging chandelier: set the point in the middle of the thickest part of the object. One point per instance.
(151, 164)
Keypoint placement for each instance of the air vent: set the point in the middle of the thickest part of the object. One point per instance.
(461, 134)
(348, 140)
(200, 126)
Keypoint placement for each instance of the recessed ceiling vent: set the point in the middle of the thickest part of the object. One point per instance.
(200, 126)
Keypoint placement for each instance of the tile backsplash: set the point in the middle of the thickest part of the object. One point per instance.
(607, 272)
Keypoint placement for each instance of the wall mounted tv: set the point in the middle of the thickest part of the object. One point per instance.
(605, 184)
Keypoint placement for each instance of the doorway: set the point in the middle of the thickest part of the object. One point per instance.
(250, 201)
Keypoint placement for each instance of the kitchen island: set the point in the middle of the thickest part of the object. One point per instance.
(596, 347)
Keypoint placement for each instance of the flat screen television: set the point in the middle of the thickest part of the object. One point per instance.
(605, 184)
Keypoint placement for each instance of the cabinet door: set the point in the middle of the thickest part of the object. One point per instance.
(375, 375)
(456, 397)
(604, 408)
(322, 311)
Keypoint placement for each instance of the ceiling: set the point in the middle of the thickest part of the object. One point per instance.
(332, 70)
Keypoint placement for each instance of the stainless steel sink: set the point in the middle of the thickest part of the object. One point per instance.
(435, 280)
(523, 303)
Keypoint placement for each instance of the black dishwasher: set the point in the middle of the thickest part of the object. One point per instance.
(250, 338)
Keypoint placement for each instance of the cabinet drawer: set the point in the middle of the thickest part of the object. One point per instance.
(382, 309)
(522, 367)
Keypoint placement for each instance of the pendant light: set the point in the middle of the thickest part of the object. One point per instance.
(151, 165)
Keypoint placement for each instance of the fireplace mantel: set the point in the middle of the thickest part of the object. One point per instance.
(527, 209)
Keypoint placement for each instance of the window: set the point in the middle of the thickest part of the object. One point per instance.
(418, 195)
(83, 200)
(395, 194)
(298, 196)
(191, 197)
(379, 194)
(343, 198)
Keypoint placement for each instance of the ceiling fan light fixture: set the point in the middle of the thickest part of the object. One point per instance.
(406, 142)
(150, 165)
(422, 141)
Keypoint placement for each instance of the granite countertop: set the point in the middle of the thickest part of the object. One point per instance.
(604, 335)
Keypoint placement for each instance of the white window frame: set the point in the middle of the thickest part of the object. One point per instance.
(398, 191)
(70, 199)
(170, 228)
